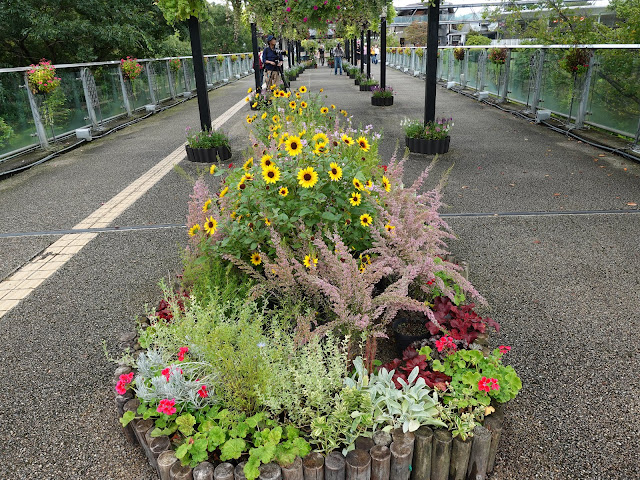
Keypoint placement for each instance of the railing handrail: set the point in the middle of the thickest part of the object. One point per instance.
(595, 46)
(117, 62)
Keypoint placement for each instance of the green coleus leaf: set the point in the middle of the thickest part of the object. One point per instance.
(232, 449)
(185, 424)
(127, 418)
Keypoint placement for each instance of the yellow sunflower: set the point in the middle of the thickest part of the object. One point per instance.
(335, 172)
(357, 184)
(368, 184)
(347, 139)
(302, 89)
(264, 115)
(254, 104)
(386, 184)
(212, 169)
(246, 99)
(247, 176)
(271, 174)
(297, 95)
(249, 119)
(389, 227)
(248, 164)
(275, 119)
(292, 105)
(283, 94)
(256, 259)
(344, 112)
(364, 144)
(272, 87)
(324, 110)
(307, 177)
(293, 146)
(320, 138)
(267, 222)
(333, 107)
(308, 260)
(320, 149)
(250, 90)
(283, 192)
(194, 230)
(321, 90)
(206, 206)
(210, 225)
(224, 192)
(288, 94)
(265, 161)
(366, 220)
(303, 104)
(355, 199)
(300, 110)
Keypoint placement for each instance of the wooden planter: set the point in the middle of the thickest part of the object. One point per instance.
(427, 147)
(208, 155)
(366, 88)
(382, 102)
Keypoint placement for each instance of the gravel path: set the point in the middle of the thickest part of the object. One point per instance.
(565, 289)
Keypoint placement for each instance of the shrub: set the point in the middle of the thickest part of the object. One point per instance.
(477, 40)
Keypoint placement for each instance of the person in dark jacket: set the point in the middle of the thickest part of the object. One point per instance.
(272, 64)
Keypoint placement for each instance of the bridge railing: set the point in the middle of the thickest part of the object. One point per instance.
(93, 94)
(605, 93)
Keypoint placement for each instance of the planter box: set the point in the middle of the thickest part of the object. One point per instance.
(208, 155)
(366, 88)
(427, 147)
(382, 102)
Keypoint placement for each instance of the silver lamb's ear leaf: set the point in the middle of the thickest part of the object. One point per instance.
(413, 375)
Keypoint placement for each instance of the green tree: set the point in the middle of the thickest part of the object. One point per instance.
(416, 33)
(219, 34)
(68, 31)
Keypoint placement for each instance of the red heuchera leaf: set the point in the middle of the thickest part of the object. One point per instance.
(419, 361)
(462, 322)
(409, 353)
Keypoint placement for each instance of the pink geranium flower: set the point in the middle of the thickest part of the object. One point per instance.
(167, 373)
(203, 391)
(182, 352)
(167, 406)
(504, 349)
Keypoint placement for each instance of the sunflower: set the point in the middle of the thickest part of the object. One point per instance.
(254, 104)
(246, 99)
(272, 87)
(264, 115)
(248, 164)
(247, 176)
(267, 222)
(347, 139)
(320, 149)
(249, 120)
(288, 94)
(256, 259)
(300, 110)
(283, 94)
(355, 199)
(368, 184)
(194, 230)
(357, 184)
(344, 112)
(212, 169)
(302, 133)
(321, 90)
(250, 90)
(307, 177)
(303, 104)
(265, 161)
(293, 146)
(336, 172)
(324, 110)
(283, 192)
(298, 95)
(292, 105)
(302, 89)
(333, 107)
(210, 225)
(206, 206)
(275, 119)
(320, 138)
(308, 260)
(366, 220)
(364, 144)
(389, 227)
(386, 184)
(271, 174)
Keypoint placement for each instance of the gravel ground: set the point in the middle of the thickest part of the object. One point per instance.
(565, 289)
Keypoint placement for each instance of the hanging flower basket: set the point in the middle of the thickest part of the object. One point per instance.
(175, 64)
(131, 69)
(42, 77)
(458, 54)
(576, 60)
(498, 56)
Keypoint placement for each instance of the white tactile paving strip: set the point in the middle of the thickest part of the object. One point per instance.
(26, 279)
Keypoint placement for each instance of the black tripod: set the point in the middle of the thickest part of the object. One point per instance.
(284, 80)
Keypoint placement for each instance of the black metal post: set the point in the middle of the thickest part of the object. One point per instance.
(433, 23)
(368, 54)
(297, 51)
(288, 49)
(346, 51)
(256, 60)
(201, 79)
(361, 51)
(383, 52)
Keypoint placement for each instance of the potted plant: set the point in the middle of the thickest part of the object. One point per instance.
(42, 77)
(428, 139)
(131, 69)
(576, 60)
(207, 147)
(367, 84)
(359, 77)
(498, 55)
(382, 97)
(331, 62)
(458, 54)
(174, 65)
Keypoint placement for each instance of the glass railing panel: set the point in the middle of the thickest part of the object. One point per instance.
(139, 94)
(521, 75)
(560, 89)
(20, 131)
(191, 76)
(614, 99)
(109, 92)
(64, 109)
(494, 77)
(473, 79)
(160, 80)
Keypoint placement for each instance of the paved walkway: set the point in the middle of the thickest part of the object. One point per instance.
(564, 288)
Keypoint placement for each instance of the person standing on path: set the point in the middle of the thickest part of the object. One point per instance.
(273, 62)
(338, 53)
(374, 53)
(321, 54)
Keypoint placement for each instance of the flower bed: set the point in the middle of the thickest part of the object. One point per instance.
(273, 347)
